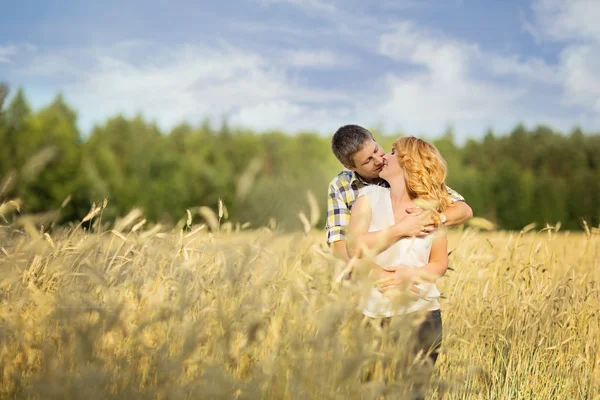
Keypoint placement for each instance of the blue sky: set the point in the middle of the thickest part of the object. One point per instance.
(416, 66)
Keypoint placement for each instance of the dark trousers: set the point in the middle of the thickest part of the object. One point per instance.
(429, 334)
(427, 341)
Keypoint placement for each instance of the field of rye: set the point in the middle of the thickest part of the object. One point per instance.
(211, 310)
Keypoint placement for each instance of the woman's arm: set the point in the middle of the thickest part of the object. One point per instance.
(434, 269)
(360, 239)
(416, 224)
(360, 220)
(438, 260)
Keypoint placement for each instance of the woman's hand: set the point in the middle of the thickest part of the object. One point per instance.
(417, 223)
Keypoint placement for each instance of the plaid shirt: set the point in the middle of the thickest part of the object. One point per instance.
(343, 191)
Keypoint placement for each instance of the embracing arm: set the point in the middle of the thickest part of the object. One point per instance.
(459, 211)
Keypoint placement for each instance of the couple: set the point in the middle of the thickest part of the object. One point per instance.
(371, 210)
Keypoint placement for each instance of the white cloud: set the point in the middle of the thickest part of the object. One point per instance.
(310, 5)
(316, 59)
(563, 20)
(445, 59)
(581, 64)
(9, 52)
(574, 23)
(436, 80)
(528, 27)
(451, 59)
(6, 53)
(427, 103)
(530, 69)
(456, 83)
(269, 114)
(187, 83)
(279, 29)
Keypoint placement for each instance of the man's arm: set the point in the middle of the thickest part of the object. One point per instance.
(458, 213)
(338, 217)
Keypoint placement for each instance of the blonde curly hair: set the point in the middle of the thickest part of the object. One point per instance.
(424, 171)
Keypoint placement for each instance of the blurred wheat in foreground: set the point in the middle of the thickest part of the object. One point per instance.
(217, 312)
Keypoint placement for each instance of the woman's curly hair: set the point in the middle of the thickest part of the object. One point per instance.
(424, 171)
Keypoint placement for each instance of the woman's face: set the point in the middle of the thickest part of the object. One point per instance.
(391, 166)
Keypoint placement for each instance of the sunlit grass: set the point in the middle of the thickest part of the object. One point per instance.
(140, 311)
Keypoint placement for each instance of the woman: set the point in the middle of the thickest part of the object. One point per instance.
(416, 172)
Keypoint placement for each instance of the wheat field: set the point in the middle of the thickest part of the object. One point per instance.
(216, 311)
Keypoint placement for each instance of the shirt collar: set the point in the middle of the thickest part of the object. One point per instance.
(356, 178)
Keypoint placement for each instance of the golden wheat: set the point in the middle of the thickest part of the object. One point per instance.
(137, 311)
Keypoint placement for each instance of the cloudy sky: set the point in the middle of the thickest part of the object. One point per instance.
(416, 66)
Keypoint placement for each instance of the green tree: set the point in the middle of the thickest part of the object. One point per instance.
(549, 200)
(510, 193)
(17, 132)
(54, 129)
(4, 152)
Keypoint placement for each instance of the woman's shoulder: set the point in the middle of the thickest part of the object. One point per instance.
(374, 195)
(373, 190)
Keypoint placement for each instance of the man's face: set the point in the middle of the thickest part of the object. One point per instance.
(368, 161)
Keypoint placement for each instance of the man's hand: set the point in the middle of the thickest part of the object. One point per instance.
(458, 213)
(400, 277)
(417, 223)
(379, 274)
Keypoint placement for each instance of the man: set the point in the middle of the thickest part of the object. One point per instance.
(356, 149)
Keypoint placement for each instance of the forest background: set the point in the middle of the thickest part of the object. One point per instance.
(512, 178)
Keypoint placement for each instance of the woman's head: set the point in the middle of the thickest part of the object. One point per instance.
(422, 167)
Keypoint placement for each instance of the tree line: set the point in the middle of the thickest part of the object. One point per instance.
(512, 179)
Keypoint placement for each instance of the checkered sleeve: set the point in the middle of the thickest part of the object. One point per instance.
(338, 215)
(454, 195)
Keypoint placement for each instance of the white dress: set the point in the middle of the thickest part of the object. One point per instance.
(410, 252)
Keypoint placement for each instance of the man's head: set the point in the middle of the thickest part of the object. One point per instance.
(355, 147)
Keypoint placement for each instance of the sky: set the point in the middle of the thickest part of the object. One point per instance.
(412, 66)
